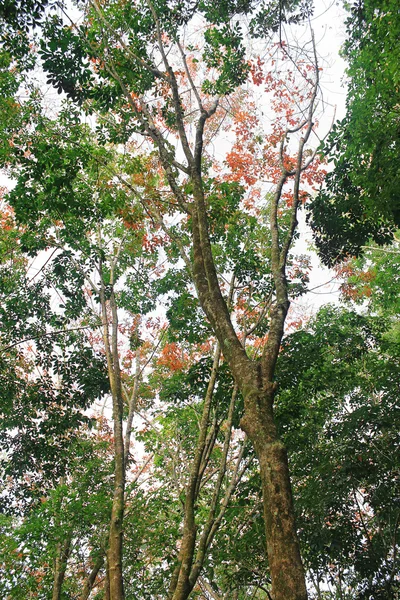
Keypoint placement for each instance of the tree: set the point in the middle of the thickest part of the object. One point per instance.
(89, 253)
(371, 281)
(339, 380)
(64, 531)
(101, 240)
(197, 467)
(359, 200)
(130, 64)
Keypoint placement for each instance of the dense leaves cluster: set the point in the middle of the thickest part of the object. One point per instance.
(360, 199)
(340, 381)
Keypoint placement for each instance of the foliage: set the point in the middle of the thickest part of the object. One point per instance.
(28, 545)
(40, 418)
(360, 198)
(113, 219)
(339, 379)
(372, 281)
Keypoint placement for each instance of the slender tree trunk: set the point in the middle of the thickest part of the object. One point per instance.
(89, 583)
(60, 566)
(115, 543)
(180, 587)
(114, 553)
(194, 551)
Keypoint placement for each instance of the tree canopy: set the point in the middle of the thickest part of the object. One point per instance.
(171, 427)
(360, 198)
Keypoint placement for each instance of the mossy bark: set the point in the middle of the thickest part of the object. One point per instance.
(286, 569)
(256, 383)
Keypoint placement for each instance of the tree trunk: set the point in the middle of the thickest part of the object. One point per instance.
(255, 381)
(115, 543)
(107, 584)
(286, 569)
(180, 586)
(283, 550)
(60, 566)
(114, 553)
(89, 583)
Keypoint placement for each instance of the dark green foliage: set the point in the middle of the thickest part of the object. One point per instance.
(186, 320)
(155, 536)
(350, 209)
(183, 387)
(224, 51)
(65, 60)
(28, 545)
(18, 21)
(266, 16)
(339, 415)
(132, 298)
(274, 14)
(24, 13)
(360, 199)
(50, 184)
(41, 418)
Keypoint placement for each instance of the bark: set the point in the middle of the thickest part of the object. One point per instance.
(132, 407)
(90, 581)
(107, 584)
(115, 545)
(204, 585)
(60, 566)
(286, 569)
(180, 587)
(115, 542)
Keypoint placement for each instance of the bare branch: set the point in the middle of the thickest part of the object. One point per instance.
(190, 79)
